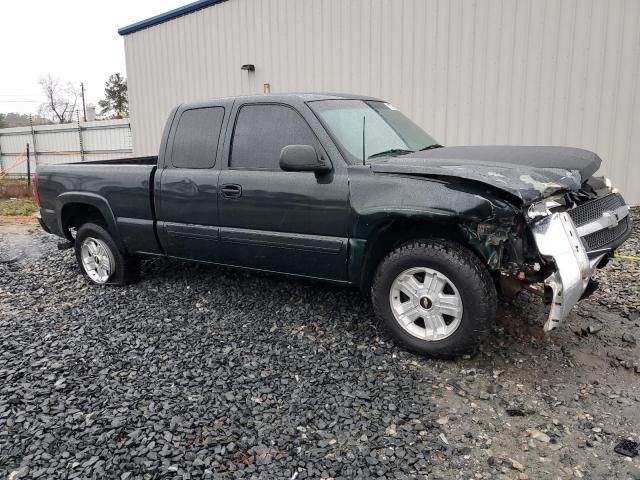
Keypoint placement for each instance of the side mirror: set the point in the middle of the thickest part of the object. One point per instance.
(302, 158)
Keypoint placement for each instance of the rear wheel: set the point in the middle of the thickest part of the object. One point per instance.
(435, 297)
(100, 260)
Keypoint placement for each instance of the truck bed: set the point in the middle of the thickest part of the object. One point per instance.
(121, 189)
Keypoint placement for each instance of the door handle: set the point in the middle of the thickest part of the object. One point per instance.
(231, 190)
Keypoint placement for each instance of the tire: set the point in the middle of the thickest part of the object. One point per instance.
(122, 269)
(446, 317)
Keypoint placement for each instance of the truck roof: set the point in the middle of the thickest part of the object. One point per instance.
(309, 96)
(286, 97)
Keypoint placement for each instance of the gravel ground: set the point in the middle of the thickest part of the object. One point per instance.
(620, 280)
(202, 372)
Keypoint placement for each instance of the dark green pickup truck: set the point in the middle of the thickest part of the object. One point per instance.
(346, 189)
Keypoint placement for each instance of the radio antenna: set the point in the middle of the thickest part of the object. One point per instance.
(364, 154)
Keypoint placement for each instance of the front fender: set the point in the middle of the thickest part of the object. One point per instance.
(379, 201)
(375, 198)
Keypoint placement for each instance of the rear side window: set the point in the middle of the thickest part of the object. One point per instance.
(196, 139)
(262, 131)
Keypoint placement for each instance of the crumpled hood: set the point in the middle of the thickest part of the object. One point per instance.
(529, 173)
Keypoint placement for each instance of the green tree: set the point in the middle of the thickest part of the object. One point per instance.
(3, 123)
(116, 101)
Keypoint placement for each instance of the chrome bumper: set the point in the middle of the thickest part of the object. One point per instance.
(557, 237)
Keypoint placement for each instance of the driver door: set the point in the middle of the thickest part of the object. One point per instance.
(290, 222)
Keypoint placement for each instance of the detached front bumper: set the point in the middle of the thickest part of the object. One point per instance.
(557, 237)
(577, 240)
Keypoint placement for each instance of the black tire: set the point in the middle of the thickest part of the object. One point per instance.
(127, 268)
(464, 269)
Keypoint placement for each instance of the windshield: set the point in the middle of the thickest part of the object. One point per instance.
(387, 131)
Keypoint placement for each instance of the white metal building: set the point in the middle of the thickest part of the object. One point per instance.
(539, 72)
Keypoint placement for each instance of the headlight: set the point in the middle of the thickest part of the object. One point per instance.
(609, 184)
(543, 208)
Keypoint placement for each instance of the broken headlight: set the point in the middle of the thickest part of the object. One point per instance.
(545, 207)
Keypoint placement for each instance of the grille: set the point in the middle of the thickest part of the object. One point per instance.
(604, 237)
(593, 209)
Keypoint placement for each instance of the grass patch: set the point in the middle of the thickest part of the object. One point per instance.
(18, 206)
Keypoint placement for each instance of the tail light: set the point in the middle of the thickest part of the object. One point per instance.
(34, 183)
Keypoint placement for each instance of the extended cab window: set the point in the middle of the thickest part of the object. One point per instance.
(262, 131)
(196, 139)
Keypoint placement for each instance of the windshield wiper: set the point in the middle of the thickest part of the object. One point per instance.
(391, 151)
(429, 147)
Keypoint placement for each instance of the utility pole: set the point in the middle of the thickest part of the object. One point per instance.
(80, 137)
(84, 109)
(33, 138)
(28, 166)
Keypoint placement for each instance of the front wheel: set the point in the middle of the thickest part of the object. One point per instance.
(435, 297)
(100, 260)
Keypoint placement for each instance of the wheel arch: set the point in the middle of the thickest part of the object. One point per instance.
(399, 230)
(78, 208)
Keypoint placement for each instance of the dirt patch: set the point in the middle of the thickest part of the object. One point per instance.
(554, 405)
(8, 220)
(18, 225)
(14, 189)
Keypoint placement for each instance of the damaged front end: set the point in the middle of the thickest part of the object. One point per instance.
(557, 242)
(536, 216)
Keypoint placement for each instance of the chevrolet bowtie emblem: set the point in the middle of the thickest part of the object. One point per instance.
(611, 218)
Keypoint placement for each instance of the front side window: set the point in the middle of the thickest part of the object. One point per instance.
(386, 130)
(195, 144)
(262, 131)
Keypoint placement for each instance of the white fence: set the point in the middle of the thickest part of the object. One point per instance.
(69, 142)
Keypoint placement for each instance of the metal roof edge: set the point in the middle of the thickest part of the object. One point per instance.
(170, 15)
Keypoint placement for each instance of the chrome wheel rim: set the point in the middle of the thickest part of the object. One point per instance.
(426, 303)
(97, 260)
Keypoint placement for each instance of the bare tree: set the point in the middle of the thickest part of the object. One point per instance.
(61, 99)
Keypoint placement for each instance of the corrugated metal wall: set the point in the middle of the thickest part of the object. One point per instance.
(542, 72)
(101, 140)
